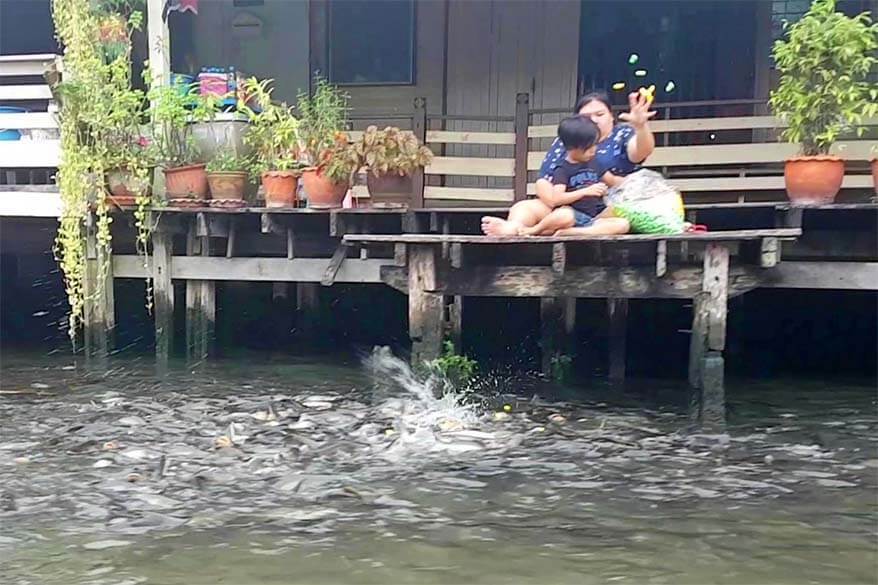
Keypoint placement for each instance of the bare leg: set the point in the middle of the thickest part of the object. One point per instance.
(602, 226)
(559, 219)
(523, 214)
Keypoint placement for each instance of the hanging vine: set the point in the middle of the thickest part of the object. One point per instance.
(99, 121)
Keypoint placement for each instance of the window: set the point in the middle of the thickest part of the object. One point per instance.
(371, 42)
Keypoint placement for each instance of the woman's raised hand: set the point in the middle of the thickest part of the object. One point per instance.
(638, 110)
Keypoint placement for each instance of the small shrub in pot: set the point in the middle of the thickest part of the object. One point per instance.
(824, 91)
(391, 157)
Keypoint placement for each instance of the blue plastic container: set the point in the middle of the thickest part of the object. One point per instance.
(6, 134)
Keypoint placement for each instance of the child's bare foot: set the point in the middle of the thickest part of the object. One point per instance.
(496, 226)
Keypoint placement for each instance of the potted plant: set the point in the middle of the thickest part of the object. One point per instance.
(824, 63)
(391, 156)
(227, 177)
(129, 157)
(173, 114)
(324, 146)
(273, 136)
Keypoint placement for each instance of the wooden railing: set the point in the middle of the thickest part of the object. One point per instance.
(720, 158)
(27, 165)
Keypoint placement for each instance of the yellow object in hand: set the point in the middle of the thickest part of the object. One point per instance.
(648, 93)
(507, 407)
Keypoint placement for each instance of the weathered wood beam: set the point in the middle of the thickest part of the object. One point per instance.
(200, 304)
(617, 313)
(425, 304)
(334, 265)
(707, 401)
(256, 269)
(163, 291)
(589, 282)
(99, 307)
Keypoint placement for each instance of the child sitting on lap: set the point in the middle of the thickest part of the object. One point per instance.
(579, 192)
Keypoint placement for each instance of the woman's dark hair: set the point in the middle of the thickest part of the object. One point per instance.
(578, 132)
(593, 96)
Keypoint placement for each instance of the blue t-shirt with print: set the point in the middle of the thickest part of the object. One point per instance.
(611, 154)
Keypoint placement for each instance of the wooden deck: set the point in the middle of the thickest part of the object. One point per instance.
(438, 259)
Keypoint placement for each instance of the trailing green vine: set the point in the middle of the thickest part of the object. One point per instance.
(99, 112)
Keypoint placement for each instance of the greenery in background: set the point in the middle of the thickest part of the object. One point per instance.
(226, 161)
(99, 110)
(391, 151)
(273, 132)
(322, 118)
(562, 367)
(824, 66)
(458, 369)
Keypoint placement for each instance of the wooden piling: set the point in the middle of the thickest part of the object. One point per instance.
(557, 323)
(200, 304)
(617, 312)
(163, 293)
(308, 309)
(425, 305)
(706, 363)
(99, 302)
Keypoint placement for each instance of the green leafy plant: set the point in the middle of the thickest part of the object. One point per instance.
(173, 112)
(562, 367)
(340, 161)
(322, 121)
(391, 151)
(458, 369)
(824, 64)
(98, 115)
(274, 130)
(226, 161)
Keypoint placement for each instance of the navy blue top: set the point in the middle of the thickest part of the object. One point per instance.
(578, 176)
(611, 155)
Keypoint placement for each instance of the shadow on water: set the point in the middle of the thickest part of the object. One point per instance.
(259, 471)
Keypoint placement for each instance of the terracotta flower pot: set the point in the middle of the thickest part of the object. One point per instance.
(189, 182)
(121, 184)
(813, 180)
(227, 184)
(280, 188)
(390, 190)
(875, 174)
(322, 192)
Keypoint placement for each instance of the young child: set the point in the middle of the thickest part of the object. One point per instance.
(579, 191)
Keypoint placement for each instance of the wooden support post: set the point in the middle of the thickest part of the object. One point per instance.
(163, 292)
(557, 323)
(425, 305)
(617, 311)
(419, 127)
(308, 309)
(99, 308)
(334, 265)
(522, 120)
(158, 38)
(709, 338)
(233, 236)
(200, 305)
(454, 321)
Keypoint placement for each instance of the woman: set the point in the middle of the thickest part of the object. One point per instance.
(621, 149)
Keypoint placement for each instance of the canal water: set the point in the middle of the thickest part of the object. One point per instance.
(249, 471)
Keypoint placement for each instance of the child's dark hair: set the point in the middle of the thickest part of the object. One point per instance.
(578, 132)
(597, 95)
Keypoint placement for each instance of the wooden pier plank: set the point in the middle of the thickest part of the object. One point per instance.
(719, 236)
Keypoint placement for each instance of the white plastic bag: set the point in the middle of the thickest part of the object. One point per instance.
(649, 203)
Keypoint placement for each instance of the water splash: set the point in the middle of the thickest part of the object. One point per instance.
(423, 409)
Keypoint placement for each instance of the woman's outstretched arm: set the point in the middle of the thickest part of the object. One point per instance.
(642, 143)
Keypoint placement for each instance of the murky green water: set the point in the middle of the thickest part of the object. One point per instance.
(255, 473)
